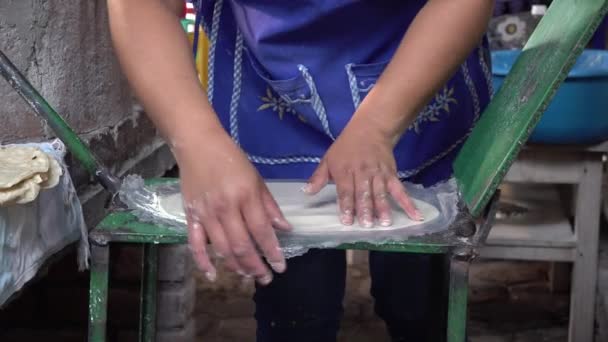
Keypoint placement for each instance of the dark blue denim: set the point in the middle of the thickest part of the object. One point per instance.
(305, 303)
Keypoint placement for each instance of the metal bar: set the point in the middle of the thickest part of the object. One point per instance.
(488, 220)
(147, 315)
(98, 292)
(63, 131)
(458, 295)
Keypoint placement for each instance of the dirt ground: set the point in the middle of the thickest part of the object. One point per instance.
(510, 302)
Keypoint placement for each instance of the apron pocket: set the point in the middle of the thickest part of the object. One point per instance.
(362, 78)
(299, 95)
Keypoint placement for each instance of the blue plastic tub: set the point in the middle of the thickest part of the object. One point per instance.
(578, 113)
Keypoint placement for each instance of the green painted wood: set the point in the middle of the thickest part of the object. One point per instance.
(148, 299)
(417, 247)
(517, 107)
(98, 293)
(457, 299)
(123, 226)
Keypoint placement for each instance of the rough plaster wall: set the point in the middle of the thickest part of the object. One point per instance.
(63, 47)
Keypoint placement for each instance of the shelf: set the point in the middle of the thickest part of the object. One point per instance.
(537, 219)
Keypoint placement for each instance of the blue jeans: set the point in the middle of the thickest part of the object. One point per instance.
(305, 303)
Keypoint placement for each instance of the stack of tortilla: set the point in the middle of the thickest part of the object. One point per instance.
(24, 171)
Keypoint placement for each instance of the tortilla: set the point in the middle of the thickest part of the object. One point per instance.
(312, 214)
(18, 163)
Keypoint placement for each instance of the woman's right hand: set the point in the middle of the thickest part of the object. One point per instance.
(228, 204)
(227, 201)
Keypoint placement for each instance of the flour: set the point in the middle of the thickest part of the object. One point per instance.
(312, 214)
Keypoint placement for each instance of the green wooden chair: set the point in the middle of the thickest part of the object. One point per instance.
(483, 161)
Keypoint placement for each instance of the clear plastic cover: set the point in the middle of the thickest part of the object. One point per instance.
(314, 218)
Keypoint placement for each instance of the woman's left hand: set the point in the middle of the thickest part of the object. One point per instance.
(362, 165)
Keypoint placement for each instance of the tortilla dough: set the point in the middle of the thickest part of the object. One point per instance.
(18, 163)
(53, 175)
(24, 171)
(311, 214)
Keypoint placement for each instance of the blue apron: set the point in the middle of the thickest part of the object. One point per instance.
(285, 77)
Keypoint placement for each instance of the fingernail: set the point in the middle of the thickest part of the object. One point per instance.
(367, 222)
(282, 222)
(197, 226)
(278, 266)
(306, 188)
(346, 219)
(266, 279)
(211, 276)
(385, 222)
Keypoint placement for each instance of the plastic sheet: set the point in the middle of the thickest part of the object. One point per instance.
(149, 204)
(31, 233)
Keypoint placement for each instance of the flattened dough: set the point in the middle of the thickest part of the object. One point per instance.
(311, 214)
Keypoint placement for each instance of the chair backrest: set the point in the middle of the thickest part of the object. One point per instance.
(516, 108)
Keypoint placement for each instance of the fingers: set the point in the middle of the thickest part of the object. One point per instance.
(236, 226)
(346, 191)
(261, 230)
(318, 180)
(273, 211)
(221, 246)
(397, 191)
(198, 246)
(242, 247)
(382, 205)
(363, 196)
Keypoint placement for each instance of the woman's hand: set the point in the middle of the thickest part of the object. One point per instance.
(362, 164)
(228, 204)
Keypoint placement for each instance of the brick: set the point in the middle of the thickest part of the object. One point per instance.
(175, 303)
(186, 333)
(175, 263)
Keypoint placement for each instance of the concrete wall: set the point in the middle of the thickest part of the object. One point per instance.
(63, 47)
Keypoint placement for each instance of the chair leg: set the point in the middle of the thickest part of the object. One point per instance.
(147, 316)
(98, 292)
(584, 276)
(458, 295)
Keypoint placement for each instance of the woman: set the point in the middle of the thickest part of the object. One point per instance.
(360, 93)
